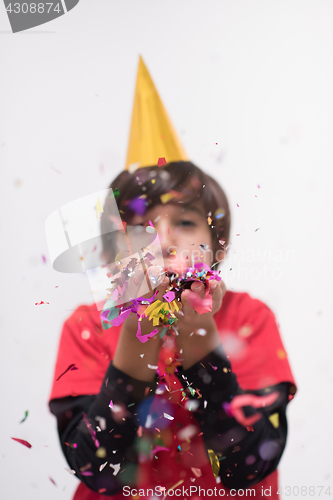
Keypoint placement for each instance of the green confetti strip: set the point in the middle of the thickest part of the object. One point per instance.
(25, 417)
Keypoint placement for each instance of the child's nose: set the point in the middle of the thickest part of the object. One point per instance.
(166, 235)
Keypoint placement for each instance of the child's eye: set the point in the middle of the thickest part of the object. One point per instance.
(187, 223)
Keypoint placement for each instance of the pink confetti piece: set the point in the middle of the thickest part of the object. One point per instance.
(237, 205)
(197, 472)
(237, 403)
(169, 296)
(161, 161)
(214, 367)
(22, 441)
(52, 481)
(44, 259)
(87, 473)
(91, 431)
(40, 303)
(71, 367)
(145, 338)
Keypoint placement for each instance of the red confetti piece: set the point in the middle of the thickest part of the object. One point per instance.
(22, 441)
(71, 367)
(52, 481)
(40, 303)
(161, 161)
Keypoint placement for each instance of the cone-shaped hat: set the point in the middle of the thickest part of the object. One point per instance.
(152, 135)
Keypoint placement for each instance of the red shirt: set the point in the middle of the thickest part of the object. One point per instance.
(251, 340)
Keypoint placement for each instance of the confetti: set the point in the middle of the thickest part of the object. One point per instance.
(40, 303)
(237, 403)
(152, 367)
(197, 472)
(114, 194)
(116, 468)
(161, 162)
(25, 417)
(102, 422)
(44, 259)
(138, 205)
(52, 481)
(157, 449)
(257, 229)
(71, 471)
(214, 462)
(99, 208)
(71, 367)
(169, 417)
(22, 441)
(274, 419)
(166, 197)
(91, 431)
(101, 467)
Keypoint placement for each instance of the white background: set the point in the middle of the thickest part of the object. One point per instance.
(256, 78)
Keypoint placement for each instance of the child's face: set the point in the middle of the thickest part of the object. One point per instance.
(181, 229)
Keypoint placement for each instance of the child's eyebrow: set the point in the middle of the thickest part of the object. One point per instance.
(192, 208)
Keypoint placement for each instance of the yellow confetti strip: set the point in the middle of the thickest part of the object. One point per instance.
(209, 220)
(153, 312)
(173, 487)
(214, 462)
(166, 197)
(99, 208)
(274, 419)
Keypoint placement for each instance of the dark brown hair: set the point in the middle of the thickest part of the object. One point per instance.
(189, 183)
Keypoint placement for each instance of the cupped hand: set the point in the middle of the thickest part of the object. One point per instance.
(197, 333)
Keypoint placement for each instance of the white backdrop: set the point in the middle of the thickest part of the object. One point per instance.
(256, 78)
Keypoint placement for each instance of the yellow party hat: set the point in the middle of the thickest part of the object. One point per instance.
(152, 135)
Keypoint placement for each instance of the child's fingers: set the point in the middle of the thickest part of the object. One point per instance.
(217, 290)
(199, 289)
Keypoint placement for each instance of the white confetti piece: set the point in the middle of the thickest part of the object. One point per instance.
(102, 466)
(141, 355)
(169, 417)
(102, 423)
(191, 404)
(116, 468)
(71, 471)
(205, 404)
(152, 367)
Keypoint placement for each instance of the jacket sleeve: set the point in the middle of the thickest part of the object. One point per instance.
(243, 454)
(98, 433)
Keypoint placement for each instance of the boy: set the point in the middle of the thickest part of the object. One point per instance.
(191, 415)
